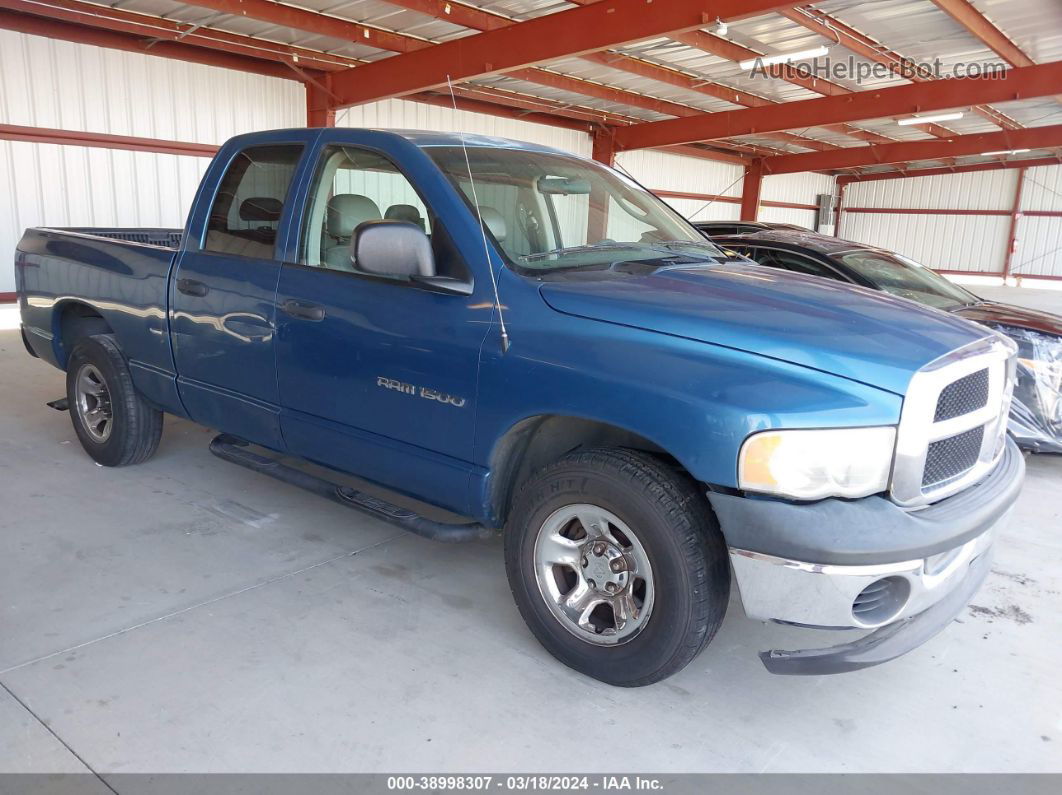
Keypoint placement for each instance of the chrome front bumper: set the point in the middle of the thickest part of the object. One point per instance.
(817, 595)
(865, 564)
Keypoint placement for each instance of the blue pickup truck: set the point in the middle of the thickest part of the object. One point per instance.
(536, 343)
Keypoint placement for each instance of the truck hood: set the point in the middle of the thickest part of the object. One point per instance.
(860, 334)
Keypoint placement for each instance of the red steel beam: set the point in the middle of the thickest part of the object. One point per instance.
(848, 179)
(921, 211)
(567, 33)
(732, 51)
(314, 22)
(39, 26)
(478, 19)
(964, 12)
(1022, 83)
(159, 29)
(482, 20)
(909, 151)
(47, 135)
(859, 43)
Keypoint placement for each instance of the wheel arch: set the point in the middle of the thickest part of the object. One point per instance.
(536, 441)
(74, 320)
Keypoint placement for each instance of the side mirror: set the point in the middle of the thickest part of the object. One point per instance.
(392, 248)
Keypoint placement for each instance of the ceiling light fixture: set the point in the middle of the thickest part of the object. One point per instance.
(929, 119)
(720, 27)
(770, 60)
(1006, 152)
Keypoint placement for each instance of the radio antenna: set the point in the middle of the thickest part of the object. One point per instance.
(482, 228)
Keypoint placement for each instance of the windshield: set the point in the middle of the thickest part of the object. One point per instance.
(551, 212)
(904, 277)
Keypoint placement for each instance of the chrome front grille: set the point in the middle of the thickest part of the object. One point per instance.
(969, 393)
(953, 423)
(949, 458)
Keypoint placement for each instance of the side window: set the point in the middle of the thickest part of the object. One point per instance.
(762, 256)
(802, 264)
(246, 211)
(353, 186)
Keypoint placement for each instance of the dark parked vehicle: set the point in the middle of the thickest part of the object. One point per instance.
(714, 229)
(1036, 410)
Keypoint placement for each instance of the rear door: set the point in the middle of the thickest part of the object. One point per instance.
(222, 300)
(378, 377)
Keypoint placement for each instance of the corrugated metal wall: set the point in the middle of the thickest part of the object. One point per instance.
(49, 83)
(1038, 240)
(972, 242)
(796, 189)
(666, 171)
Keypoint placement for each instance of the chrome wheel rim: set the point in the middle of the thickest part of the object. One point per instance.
(94, 403)
(594, 574)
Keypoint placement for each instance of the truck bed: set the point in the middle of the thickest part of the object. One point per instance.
(165, 238)
(119, 275)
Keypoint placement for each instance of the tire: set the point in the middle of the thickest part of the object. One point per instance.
(97, 375)
(662, 537)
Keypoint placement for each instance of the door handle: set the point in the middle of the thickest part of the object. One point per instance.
(304, 310)
(192, 287)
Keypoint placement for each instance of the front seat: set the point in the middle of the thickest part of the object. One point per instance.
(345, 211)
(494, 222)
(405, 212)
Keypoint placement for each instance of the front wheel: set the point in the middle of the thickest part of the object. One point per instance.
(115, 425)
(617, 565)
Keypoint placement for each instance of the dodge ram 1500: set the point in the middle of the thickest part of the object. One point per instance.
(533, 341)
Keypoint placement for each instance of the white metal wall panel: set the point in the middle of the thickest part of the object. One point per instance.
(1042, 190)
(973, 190)
(51, 83)
(57, 84)
(665, 171)
(402, 114)
(797, 188)
(703, 210)
(788, 215)
(1038, 249)
(945, 242)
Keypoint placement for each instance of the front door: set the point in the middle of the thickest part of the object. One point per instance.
(377, 376)
(222, 302)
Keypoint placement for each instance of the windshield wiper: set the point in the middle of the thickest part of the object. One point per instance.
(601, 245)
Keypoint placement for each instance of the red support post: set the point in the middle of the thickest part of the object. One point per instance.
(319, 113)
(750, 190)
(604, 150)
(1012, 234)
(841, 185)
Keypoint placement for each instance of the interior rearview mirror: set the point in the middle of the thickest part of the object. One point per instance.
(563, 186)
(392, 248)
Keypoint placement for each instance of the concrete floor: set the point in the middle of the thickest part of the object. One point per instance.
(187, 615)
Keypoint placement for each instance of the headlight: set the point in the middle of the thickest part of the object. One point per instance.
(812, 464)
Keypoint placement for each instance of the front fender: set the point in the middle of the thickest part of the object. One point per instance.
(696, 401)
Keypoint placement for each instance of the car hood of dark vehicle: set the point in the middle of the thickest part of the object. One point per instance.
(992, 313)
(849, 331)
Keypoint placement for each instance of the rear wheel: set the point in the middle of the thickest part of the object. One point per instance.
(617, 565)
(115, 425)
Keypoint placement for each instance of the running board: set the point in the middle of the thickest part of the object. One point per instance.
(236, 451)
(62, 404)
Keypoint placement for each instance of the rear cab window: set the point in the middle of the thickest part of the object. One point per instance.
(247, 208)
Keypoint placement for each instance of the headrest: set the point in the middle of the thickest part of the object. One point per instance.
(494, 222)
(261, 208)
(404, 212)
(347, 210)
